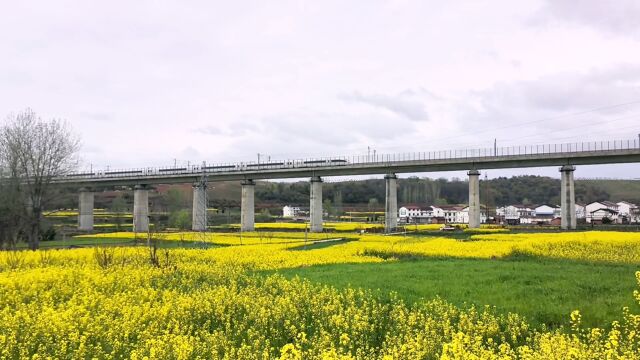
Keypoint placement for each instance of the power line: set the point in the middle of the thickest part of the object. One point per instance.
(573, 129)
(493, 129)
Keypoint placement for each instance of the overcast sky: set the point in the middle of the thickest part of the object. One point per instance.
(147, 82)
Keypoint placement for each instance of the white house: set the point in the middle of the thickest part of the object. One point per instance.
(483, 214)
(544, 210)
(411, 211)
(421, 214)
(413, 214)
(545, 213)
(436, 212)
(597, 211)
(628, 212)
(509, 212)
(455, 214)
(581, 211)
(516, 214)
(290, 211)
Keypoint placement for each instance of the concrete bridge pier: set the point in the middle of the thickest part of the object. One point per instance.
(567, 198)
(199, 210)
(247, 206)
(391, 203)
(85, 210)
(315, 204)
(141, 208)
(474, 199)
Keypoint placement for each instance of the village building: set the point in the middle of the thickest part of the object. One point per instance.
(483, 214)
(413, 214)
(516, 214)
(455, 214)
(290, 211)
(628, 213)
(581, 212)
(432, 214)
(545, 214)
(600, 212)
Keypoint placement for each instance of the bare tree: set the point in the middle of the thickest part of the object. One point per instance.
(34, 152)
(11, 207)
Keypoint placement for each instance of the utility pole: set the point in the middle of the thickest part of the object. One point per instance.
(495, 148)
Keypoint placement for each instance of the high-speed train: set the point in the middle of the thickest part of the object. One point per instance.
(199, 169)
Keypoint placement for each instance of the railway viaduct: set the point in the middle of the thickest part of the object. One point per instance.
(566, 156)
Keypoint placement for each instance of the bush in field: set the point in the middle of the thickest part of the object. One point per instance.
(180, 219)
(48, 234)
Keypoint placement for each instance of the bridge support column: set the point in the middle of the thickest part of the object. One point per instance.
(474, 199)
(567, 198)
(141, 208)
(247, 206)
(199, 210)
(315, 204)
(391, 203)
(85, 210)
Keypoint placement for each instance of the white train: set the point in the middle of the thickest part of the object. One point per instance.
(197, 169)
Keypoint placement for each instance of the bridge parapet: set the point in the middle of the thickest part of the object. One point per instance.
(598, 152)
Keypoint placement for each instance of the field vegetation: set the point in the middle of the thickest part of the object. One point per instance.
(258, 298)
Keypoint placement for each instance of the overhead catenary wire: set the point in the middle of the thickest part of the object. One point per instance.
(497, 128)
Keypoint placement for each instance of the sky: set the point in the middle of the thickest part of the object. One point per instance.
(151, 83)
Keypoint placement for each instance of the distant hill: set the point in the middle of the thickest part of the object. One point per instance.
(628, 190)
(496, 192)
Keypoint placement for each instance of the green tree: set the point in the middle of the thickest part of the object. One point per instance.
(180, 219)
(118, 208)
(373, 204)
(328, 207)
(176, 200)
(337, 201)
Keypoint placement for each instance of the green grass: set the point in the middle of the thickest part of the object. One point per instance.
(313, 245)
(545, 291)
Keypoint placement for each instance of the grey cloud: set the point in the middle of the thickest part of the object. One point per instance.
(309, 132)
(619, 16)
(399, 105)
(600, 103)
(209, 130)
(234, 131)
(88, 148)
(570, 91)
(190, 153)
(97, 116)
(333, 128)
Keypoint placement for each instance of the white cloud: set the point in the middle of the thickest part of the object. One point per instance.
(399, 105)
(619, 17)
(149, 82)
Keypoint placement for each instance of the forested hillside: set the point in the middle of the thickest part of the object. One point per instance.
(499, 191)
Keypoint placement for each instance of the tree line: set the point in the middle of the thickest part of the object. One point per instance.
(527, 189)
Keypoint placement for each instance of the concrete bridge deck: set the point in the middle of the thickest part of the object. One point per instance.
(564, 155)
(478, 159)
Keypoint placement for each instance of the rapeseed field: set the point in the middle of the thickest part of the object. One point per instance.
(134, 302)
